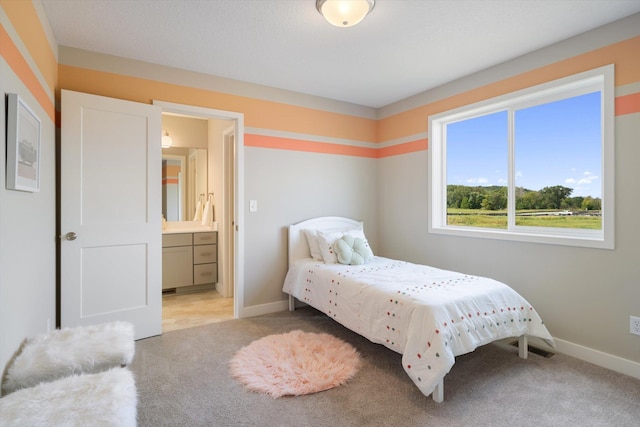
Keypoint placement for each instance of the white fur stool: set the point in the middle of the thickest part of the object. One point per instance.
(104, 399)
(68, 351)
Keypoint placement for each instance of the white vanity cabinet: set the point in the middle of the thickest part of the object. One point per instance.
(189, 259)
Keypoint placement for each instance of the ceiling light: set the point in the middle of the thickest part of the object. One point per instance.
(344, 13)
(166, 139)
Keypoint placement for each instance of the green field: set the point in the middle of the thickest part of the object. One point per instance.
(498, 219)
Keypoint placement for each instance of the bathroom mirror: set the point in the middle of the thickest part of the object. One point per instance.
(184, 182)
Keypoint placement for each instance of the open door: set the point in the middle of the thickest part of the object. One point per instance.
(110, 213)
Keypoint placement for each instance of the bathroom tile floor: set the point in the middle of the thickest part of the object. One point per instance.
(180, 311)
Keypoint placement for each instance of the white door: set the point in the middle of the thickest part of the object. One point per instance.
(110, 219)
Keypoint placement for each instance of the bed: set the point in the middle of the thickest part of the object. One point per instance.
(428, 315)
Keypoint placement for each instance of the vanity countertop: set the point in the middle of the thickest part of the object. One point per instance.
(188, 227)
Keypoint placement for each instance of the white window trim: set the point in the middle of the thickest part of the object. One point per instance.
(600, 78)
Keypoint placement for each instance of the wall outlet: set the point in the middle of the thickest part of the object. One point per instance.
(634, 325)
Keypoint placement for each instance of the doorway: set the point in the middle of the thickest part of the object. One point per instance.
(228, 191)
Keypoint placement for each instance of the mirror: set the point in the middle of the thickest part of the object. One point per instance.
(184, 182)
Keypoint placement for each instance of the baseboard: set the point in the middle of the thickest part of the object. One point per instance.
(258, 310)
(605, 360)
(221, 290)
(609, 361)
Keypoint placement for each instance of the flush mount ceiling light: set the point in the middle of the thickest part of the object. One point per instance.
(344, 13)
(166, 139)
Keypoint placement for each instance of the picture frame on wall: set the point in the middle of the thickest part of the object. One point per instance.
(23, 146)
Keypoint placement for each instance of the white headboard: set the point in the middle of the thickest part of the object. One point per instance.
(298, 246)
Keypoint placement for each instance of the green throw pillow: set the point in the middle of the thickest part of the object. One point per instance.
(352, 250)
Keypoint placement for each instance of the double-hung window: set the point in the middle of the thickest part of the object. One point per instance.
(535, 165)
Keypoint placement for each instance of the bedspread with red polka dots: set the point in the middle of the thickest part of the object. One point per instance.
(428, 315)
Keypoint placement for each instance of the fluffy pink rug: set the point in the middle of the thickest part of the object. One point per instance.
(295, 363)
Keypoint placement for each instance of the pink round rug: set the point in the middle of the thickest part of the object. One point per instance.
(295, 363)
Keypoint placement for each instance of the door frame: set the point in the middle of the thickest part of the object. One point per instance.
(238, 232)
(228, 154)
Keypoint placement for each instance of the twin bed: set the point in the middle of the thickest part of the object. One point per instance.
(428, 315)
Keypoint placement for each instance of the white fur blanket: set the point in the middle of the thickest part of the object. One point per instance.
(68, 351)
(104, 399)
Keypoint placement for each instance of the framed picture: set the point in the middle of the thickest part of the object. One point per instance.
(23, 146)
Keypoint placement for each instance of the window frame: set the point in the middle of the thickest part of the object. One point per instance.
(601, 79)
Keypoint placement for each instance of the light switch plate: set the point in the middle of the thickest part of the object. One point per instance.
(253, 206)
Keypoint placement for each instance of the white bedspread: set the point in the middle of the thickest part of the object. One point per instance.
(427, 314)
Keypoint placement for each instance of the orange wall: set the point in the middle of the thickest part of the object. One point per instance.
(309, 124)
(625, 55)
(257, 113)
(27, 220)
(23, 16)
(290, 118)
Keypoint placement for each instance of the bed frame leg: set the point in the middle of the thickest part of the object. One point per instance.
(292, 303)
(523, 347)
(438, 392)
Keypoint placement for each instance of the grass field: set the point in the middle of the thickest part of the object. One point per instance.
(498, 219)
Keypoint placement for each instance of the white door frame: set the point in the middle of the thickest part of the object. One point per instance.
(238, 233)
(228, 155)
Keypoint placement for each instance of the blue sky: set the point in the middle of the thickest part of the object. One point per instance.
(556, 144)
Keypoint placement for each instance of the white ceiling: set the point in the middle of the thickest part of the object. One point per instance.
(402, 48)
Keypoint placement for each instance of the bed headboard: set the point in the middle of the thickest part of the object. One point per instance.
(298, 246)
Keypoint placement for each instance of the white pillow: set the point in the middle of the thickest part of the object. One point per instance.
(326, 239)
(357, 232)
(312, 240)
(325, 242)
(352, 250)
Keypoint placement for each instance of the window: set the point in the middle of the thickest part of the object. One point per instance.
(535, 165)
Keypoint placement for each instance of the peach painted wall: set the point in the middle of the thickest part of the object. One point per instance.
(28, 67)
(585, 295)
(302, 159)
(623, 54)
(307, 157)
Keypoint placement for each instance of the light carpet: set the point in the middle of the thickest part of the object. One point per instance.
(183, 379)
(295, 363)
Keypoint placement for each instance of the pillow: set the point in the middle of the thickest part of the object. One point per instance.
(359, 233)
(356, 232)
(326, 239)
(352, 250)
(312, 240)
(325, 242)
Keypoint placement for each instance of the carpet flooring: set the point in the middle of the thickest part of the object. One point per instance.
(183, 379)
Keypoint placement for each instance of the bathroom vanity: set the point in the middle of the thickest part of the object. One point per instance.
(189, 257)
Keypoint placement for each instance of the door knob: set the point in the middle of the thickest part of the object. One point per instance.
(71, 236)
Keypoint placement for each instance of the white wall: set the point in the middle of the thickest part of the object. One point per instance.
(186, 131)
(290, 187)
(584, 295)
(27, 230)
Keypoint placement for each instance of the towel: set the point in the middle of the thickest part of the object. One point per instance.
(198, 215)
(207, 215)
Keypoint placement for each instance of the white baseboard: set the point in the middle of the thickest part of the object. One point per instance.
(609, 361)
(258, 310)
(605, 360)
(220, 289)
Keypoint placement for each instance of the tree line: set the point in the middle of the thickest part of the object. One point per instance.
(495, 198)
